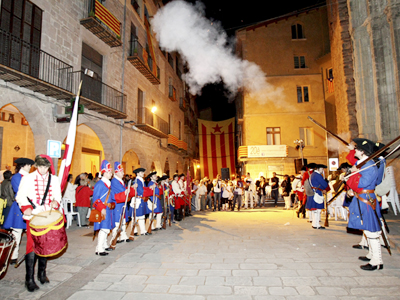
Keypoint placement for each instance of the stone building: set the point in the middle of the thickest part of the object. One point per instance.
(136, 107)
(293, 51)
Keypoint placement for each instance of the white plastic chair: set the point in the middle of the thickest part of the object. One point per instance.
(393, 197)
(69, 212)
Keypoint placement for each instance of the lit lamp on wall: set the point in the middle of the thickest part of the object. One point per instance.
(154, 109)
(300, 145)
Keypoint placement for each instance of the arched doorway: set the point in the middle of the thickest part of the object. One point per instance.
(88, 152)
(166, 167)
(16, 137)
(130, 161)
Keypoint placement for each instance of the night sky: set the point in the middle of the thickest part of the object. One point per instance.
(233, 16)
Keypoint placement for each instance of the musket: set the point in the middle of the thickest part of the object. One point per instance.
(119, 230)
(326, 212)
(152, 209)
(19, 261)
(384, 238)
(164, 226)
(133, 223)
(330, 132)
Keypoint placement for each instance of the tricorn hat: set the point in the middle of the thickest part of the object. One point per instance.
(151, 174)
(321, 166)
(139, 170)
(345, 165)
(365, 145)
(24, 161)
(311, 165)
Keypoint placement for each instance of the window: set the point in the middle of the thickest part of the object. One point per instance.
(92, 60)
(307, 135)
(140, 106)
(297, 32)
(273, 135)
(180, 130)
(303, 94)
(171, 60)
(299, 62)
(136, 6)
(169, 124)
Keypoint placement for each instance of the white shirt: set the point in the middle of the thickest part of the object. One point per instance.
(217, 185)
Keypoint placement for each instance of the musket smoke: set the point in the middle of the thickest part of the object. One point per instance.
(182, 27)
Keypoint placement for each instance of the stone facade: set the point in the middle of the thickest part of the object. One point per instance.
(62, 36)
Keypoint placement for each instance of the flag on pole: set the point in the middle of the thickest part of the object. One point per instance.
(188, 183)
(69, 144)
(217, 146)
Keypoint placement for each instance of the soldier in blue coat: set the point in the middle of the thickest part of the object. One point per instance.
(319, 185)
(102, 202)
(118, 196)
(364, 208)
(156, 202)
(14, 220)
(138, 201)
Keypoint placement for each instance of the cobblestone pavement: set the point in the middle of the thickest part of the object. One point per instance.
(252, 254)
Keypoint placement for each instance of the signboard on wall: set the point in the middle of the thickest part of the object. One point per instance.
(267, 151)
(333, 164)
(54, 149)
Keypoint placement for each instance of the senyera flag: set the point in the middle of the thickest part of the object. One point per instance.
(69, 144)
(217, 146)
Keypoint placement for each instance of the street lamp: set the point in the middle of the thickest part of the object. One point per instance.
(300, 145)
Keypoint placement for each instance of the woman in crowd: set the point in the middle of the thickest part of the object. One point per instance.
(83, 194)
(286, 189)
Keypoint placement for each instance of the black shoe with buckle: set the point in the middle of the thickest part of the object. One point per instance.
(136, 234)
(364, 258)
(369, 267)
(128, 240)
(109, 249)
(321, 227)
(102, 253)
(360, 247)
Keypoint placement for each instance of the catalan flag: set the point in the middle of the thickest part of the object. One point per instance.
(331, 87)
(217, 146)
(107, 18)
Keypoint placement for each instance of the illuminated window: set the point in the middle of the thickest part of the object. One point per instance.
(303, 94)
(273, 135)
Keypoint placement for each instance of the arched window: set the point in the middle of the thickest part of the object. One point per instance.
(297, 32)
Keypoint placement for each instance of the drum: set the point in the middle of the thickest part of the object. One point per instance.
(48, 233)
(7, 242)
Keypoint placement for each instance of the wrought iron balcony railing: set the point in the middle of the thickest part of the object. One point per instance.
(102, 97)
(151, 123)
(28, 66)
(102, 23)
(142, 60)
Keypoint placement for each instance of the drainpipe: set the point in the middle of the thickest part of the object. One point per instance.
(123, 78)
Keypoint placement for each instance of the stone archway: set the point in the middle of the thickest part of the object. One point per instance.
(130, 161)
(16, 135)
(88, 151)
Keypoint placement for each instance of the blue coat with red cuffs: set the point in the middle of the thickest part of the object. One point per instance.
(319, 184)
(100, 192)
(158, 192)
(365, 180)
(118, 196)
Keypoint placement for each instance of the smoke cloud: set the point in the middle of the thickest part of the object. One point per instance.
(182, 27)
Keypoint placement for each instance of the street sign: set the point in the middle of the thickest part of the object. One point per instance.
(333, 164)
(54, 149)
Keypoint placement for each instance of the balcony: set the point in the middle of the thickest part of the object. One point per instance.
(29, 67)
(143, 62)
(99, 97)
(151, 123)
(102, 23)
(176, 144)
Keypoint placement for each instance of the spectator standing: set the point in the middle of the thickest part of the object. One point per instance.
(286, 189)
(83, 194)
(275, 188)
(7, 192)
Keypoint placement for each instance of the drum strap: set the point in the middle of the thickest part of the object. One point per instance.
(47, 190)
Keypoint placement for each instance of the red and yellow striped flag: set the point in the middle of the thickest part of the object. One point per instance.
(217, 147)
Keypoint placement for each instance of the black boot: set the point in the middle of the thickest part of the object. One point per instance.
(42, 270)
(30, 260)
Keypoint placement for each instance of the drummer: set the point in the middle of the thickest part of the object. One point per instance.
(14, 221)
(101, 202)
(39, 191)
